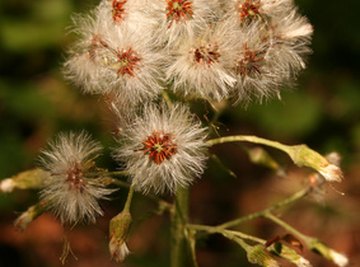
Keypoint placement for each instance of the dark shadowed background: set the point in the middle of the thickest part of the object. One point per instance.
(322, 110)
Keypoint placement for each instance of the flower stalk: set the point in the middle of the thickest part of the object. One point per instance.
(179, 218)
(312, 243)
(284, 203)
(119, 230)
(301, 155)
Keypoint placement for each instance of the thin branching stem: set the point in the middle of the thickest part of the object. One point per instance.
(224, 232)
(167, 98)
(164, 204)
(248, 138)
(129, 199)
(117, 173)
(284, 203)
(286, 226)
(119, 183)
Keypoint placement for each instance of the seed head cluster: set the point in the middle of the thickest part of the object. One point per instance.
(211, 49)
(131, 50)
(73, 187)
(146, 58)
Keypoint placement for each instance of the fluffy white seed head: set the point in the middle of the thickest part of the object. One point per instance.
(107, 59)
(163, 149)
(270, 54)
(256, 66)
(291, 39)
(200, 67)
(73, 188)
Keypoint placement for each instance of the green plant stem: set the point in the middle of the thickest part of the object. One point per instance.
(226, 233)
(167, 98)
(286, 226)
(250, 139)
(179, 218)
(119, 183)
(293, 198)
(117, 173)
(301, 155)
(129, 199)
(218, 111)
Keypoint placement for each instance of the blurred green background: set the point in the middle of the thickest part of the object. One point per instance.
(322, 110)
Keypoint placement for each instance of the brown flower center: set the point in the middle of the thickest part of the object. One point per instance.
(74, 177)
(249, 63)
(127, 61)
(248, 8)
(159, 146)
(178, 10)
(118, 10)
(207, 54)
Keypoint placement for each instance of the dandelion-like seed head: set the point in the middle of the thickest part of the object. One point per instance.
(112, 59)
(163, 149)
(178, 10)
(271, 51)
(74, 185)
(202, 67)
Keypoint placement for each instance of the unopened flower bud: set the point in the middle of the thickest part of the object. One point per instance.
(259, 156)
(31, 179)
(258, 255)
(328, 253)
(29, 215)
(289, 254)
(119, 229)
(302, 155)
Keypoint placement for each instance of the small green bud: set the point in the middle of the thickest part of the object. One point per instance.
(259, 255)
(289, 254)
(28, 216)
(259, 156)
(302, 155)
(31, 179)
(118, 230)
